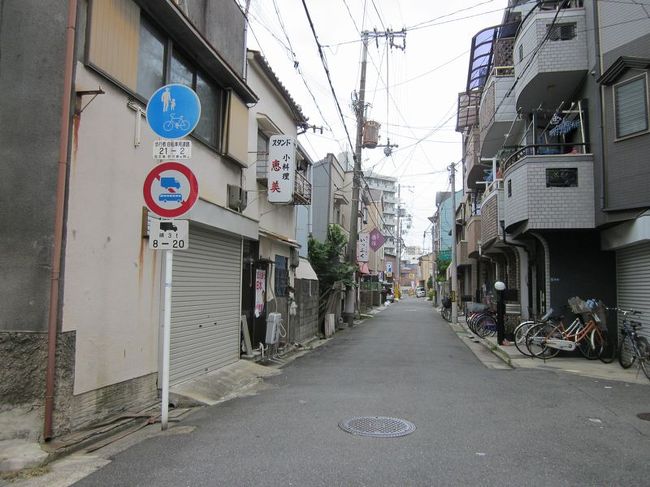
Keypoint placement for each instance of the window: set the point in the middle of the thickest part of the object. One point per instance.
(509, 188)
(561, 32)
(151, 54)
(631, 107)
(521, 52)
(281, 276)
(562, 177)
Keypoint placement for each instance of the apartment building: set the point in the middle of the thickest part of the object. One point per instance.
(554, 119)
(388, 186)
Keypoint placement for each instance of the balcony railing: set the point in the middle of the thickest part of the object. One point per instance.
(302, 192)
(518, 152)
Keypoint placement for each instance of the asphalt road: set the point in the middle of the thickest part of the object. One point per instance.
(474, 425)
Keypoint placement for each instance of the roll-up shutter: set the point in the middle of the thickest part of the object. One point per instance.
(633, 282)
(206, 292)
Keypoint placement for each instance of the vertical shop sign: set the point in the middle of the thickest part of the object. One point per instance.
(281, 169)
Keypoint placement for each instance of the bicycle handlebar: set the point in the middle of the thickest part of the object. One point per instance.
(625, 311)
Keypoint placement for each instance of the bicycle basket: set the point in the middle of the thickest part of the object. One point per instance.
(578, 306)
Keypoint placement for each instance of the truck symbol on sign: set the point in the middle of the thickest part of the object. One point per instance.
(168, 226)
(170, 182)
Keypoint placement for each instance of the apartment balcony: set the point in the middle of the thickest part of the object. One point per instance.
(491, 213)
(498, 113)
(552, 73)
(473, 235)
(474, 170)
(461, 253)
(545, 190)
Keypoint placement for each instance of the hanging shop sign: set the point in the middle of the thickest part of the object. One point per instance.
(281, 169)
(376, 239)
(260, 286)
(363, 245)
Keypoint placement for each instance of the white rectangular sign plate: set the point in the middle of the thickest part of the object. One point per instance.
(172, 150)
(169, 234)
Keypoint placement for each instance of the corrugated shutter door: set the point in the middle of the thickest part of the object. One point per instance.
(206, 290)
(633, 282)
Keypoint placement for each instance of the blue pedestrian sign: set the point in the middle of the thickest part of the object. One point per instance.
(173, 111)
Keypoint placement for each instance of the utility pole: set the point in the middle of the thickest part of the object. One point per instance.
(360, 108)
(454, 275)
(399, 243)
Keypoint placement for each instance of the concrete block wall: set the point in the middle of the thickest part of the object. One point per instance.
(550, 208)
(306, 319)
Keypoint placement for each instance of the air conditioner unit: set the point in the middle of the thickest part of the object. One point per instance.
(237, 198)
(273, 322)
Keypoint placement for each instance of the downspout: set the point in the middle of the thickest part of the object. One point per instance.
(52, 327)
(601, 105)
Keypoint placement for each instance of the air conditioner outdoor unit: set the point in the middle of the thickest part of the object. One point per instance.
(273, 321)
(237, 198)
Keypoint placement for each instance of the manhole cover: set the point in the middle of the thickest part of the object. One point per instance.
(377, 426)
(644, 416)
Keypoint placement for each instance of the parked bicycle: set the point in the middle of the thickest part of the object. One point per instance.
(584, 333)
(524, 327)
(633, 347)
(445, 312)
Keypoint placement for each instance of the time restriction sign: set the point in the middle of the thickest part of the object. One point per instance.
(170, 189)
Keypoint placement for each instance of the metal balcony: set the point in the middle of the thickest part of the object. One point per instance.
(302, 191)
(498, 113)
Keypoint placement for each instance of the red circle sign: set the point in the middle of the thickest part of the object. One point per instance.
(170, 189)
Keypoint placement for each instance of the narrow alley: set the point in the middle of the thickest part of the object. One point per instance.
(474, 425)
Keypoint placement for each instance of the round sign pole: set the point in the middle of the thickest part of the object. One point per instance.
(167, 325)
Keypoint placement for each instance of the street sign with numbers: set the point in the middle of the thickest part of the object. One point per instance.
(166, 150)
(168, 234)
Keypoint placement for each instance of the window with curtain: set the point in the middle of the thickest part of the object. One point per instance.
(631, 107)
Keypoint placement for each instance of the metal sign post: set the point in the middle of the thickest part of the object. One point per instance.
(170, 190)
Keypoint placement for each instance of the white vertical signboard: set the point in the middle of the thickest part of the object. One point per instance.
(281, 169)
(363, 246)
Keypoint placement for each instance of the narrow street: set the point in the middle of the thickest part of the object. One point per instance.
(474, 425)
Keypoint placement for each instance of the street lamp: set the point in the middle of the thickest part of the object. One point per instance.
(500, 286)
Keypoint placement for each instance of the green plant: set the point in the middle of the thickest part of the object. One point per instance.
(327, 259)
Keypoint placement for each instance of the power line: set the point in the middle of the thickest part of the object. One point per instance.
(327, 71)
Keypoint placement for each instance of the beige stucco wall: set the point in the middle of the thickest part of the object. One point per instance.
(112, 282)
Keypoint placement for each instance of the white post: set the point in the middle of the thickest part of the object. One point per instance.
(167, 321)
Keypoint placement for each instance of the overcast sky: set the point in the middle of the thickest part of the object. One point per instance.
(412, 92)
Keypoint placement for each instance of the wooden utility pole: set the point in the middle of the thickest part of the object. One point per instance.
(360, 108)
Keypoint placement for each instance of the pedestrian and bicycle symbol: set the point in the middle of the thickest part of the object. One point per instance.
(170, 190)
(173, 111)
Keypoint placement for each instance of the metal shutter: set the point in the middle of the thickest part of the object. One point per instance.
(206, 289)
(633, 282)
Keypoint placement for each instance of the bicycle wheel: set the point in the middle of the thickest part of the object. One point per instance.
(608, 353)
(536, 340)
(591, 346)
(486, 326)
(626, 356)
(644, 352)
(446, 314)
(520, 337)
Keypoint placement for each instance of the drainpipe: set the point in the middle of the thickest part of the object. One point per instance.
(600, 105)
(52, 327)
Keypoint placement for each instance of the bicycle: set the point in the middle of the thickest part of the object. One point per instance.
(522, 329)
(445, 312)
(633, 347)
(584, 333)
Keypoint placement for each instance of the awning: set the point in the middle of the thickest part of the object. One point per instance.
(363, 268)
(280, 238)
(305, 270)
